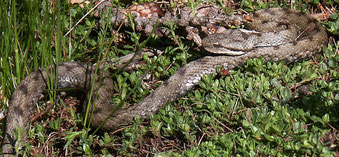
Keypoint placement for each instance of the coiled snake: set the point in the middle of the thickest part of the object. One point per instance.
(276, 35)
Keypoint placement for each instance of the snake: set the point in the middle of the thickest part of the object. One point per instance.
(274, 34)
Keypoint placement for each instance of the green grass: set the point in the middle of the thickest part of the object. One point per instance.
(253, 111)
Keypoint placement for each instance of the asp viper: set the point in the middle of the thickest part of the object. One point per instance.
(275, 34)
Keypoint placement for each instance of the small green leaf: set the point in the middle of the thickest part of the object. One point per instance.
(269, 137)
(307, 144)
(326, 118)
(86, 149)
(245, 123)
(285, 93)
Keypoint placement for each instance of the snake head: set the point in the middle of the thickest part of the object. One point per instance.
(232, 42)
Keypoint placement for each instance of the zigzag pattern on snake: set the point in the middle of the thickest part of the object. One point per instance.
(297, 36)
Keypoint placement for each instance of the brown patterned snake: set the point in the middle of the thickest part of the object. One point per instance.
(277, 35)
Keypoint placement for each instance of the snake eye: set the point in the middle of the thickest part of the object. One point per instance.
(216, 45)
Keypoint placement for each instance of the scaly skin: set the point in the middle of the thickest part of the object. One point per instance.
(309, 40)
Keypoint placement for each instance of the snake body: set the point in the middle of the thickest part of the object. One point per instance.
(296, 36)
